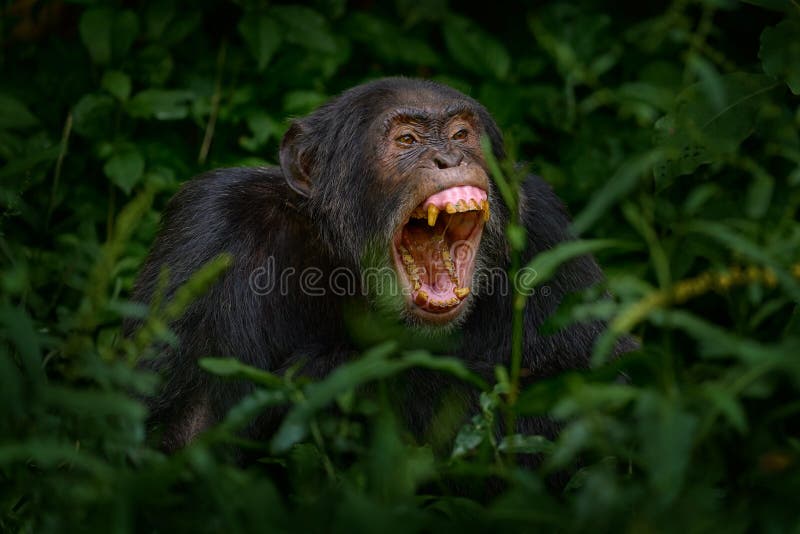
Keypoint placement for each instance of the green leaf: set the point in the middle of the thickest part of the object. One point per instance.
(475, 49)
(748, 249)
(305, 27)
(263, 127)
(107, 33)
(95, 29)
(161, 104)
(780, 52)
(232, 368)
(18, 329)
(667, 433)
(252, 405)
(125, 167)
(726, 403)
(713, 116)
(46, 452)
(520, 444)
(452, 366)
(759, 195)
(93, 116)
(125, 30)
(516, 236)
(157, 16)
(775, 5)
(92, 402)
(716, 342)
(302, 102)
(117, 83)
(469, 438)
(373, 365)
(14, 114)
(545, 264)
(388, 41)
(588, 397)
(620, 184)
(262, 35)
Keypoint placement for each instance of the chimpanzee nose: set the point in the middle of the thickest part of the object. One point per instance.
(445, 160)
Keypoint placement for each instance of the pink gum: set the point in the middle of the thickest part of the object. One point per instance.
(454, 194)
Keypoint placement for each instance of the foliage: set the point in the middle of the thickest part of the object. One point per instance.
(671, 131)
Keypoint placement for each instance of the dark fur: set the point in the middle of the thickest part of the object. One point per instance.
(253, 213)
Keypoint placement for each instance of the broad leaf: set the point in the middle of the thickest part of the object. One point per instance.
(125, 167)
(710, 117)
(780, 52)
(262, 35)
(475, 49)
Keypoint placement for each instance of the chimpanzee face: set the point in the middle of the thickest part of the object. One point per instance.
(396, 165)
(432, 155)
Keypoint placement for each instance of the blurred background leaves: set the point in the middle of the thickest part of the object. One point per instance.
(671, 128)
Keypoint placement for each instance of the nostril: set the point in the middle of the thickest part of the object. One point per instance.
(445, 161)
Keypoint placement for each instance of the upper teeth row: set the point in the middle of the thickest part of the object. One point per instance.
(459, 207)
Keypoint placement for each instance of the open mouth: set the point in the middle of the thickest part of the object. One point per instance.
(435, 250)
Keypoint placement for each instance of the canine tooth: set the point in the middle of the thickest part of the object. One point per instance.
(449, 208)
(417, 285)
(461, 292)
(461, 206)
(433, 213)
(421, 298)
(485, 208)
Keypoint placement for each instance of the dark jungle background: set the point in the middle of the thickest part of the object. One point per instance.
(670, 130)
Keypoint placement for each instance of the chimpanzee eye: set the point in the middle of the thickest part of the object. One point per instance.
(406, 139)
(460, 135)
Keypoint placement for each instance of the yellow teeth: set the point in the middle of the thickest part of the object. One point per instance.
(448, 263)
(444, 303)
(461, 292)
(421, 299)
(433, 213)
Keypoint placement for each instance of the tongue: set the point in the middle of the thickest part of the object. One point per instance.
(427, 254)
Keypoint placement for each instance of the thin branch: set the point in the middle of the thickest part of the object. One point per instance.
(215, 99)
(59, 165)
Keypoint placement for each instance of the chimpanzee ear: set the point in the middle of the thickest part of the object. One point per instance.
(296, 161)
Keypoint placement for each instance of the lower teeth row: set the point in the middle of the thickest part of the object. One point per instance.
(411, 269)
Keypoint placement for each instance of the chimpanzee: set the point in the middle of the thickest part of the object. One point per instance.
(387, 177)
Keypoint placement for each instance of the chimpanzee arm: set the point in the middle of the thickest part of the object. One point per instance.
(240, 212)
(546, 223)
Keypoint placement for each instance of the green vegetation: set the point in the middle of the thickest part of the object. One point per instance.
(670, 131)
